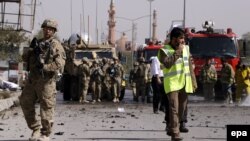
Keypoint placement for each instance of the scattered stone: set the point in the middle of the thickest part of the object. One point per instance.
(59, 133)
(60, 124)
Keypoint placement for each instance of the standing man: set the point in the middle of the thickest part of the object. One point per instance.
(84, 73)
(96, 78)
(116, 73)
(141, 79)
(157, 83)
(175, 57)
(208, 79)
(106, 83)
(45, 59)
(227, 80)
(132, 80)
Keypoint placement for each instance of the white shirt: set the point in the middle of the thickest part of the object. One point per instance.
(155, 68)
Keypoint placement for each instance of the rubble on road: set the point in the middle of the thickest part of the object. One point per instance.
(8, 99)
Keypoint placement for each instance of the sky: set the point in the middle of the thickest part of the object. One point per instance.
(224, 13)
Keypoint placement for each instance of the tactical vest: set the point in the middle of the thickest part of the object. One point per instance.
(208, 74)
(226, 74)
(177, 76)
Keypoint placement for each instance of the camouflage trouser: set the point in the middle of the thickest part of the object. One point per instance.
(106, 88)
(141, 89)
(116, 87)
(96, 90)
(84, 88)
(208, 91)
(42, 90)
(133, 89)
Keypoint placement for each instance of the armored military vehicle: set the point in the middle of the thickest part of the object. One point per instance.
(76, 49)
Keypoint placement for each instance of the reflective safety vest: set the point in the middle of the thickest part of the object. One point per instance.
(177, 76)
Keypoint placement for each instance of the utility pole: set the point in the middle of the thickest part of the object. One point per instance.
(33, 10)
(184, 14)
(96, 22)
(83, 16)
(71, 16)
(150, 13)
(20, 19)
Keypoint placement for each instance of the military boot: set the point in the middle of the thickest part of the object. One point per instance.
(43, 138)
(85, 101)
(183, 127)
(35, 135)
(176, 137)
(81, 99)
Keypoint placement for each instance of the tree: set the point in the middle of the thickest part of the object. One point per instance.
(10, 41)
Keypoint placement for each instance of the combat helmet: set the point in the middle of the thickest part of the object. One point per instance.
(115, 58)
(95, 61)
(136, 63)
(141, 59)
(50, 23)
(85, 59)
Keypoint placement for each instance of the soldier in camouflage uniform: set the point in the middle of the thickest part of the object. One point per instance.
(96, 78)
(84, 73)
(132, 80)
(45, 59)
(116, 73)
(106, 87)
(227, 80)
(208, 78)
(141, 79)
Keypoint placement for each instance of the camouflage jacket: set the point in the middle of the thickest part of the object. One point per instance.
(227, 74)
(53, 58)
(116, 70)
(84, 71)
(208, 74)
(96, 74)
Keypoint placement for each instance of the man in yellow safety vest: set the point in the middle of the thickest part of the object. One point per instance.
(178, 78)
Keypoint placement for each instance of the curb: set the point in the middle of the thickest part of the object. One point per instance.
(8, 102)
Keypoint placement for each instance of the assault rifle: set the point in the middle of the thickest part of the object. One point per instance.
(38, 51)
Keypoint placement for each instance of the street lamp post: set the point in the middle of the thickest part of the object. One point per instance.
(150, 14)
(133, 33)
(184, 14)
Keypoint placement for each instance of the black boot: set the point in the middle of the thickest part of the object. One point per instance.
(183, 127)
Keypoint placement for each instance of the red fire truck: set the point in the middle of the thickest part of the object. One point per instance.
(208, 43)
(149, 50)
(214, 44)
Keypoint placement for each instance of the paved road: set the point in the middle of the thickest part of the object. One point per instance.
(103, 121)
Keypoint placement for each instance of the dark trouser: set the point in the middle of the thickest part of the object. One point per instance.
(156, 93)
(183, 118)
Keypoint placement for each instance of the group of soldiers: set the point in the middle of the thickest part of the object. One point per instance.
(231, 81)
(103, 77)
(140, 80)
